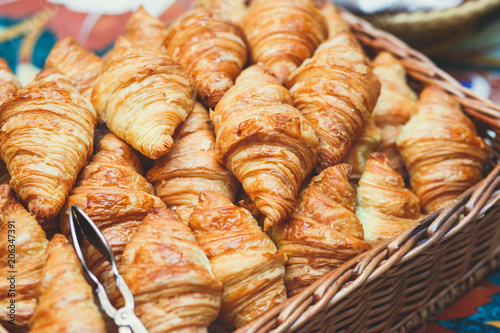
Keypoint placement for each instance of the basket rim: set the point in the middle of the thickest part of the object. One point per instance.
(441, 224)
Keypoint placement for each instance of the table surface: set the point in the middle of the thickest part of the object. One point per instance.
(29, 28)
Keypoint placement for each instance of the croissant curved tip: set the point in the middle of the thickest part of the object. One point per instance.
(41, 209)
(282, 70)
(160, 148)
(213, 199)
(379, 157)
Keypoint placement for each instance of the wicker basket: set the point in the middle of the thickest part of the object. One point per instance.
(402, 282)
(434, 31)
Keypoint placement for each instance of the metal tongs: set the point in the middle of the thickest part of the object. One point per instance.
(125, 318)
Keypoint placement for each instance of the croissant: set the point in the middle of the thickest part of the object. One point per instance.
(9, 83)
(82, 67)
(283, 33)
(143, 95)
(384, 206)
(395, 105)
(170, 276)
(233, 10)
(211, 48)
(191, 167)
(115, 196)
(267, 144)
(336, 90)
(65, 299)
(19, 228)
(145, 30)
(442, 152)
(366, 143)
(323, 231)
(242, 256)
(46, 133)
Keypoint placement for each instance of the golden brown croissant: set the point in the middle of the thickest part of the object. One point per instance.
(336, 90)
(143, 95)
(9, 83)
(115, 196)
(144, 29)
(211, 48)
(395, 105)
(191, 166)
(242, 256)
(442, 152)
(384, 206)
(283, 33)
(20, 236)
(46, 134)
(366, 143)
(82, 67)
(170, 276)
(234, 10)
(267, 144)
(323, 231)
(65, 299)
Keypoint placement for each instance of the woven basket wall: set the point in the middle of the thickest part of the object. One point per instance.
(437, 30)
(402, 282)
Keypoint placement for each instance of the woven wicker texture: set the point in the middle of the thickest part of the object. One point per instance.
(401, 282)
(436, 30)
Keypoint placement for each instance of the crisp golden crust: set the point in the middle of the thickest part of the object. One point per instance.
(65, 299)
(170, 276)
(442, 152)
(115, 196)
(212, 49)
(191, 167)
(283, 33)
(395, 105)
(145, 30)
(46, 134)
(323, 231)
(366, 143)
(30, 244)
(336, 90)
(233, 10)
(82, 67)
(143, 96)
(384, 206)
(267, 144)
(9, 83)
(242, 256)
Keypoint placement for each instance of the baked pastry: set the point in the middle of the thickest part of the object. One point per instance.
(323, 231)
(366, 143)
(395, 105)
(383, 205)
(283, 33)
(9, 83)
(65, 299)
(233, 10)
(30, 244)
(336, 90)
(191, 166)
(115, 196)
(82, 67)
(46, 133)
(143, 95)
(441, 150)
(211, 48)
(170, 276)
(145, 30)
(267, 144)
(242, 256)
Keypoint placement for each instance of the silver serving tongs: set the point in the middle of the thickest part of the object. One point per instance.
(81, 224)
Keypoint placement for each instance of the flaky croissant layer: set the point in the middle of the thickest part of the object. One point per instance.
(211, 48)
(242, 257)
(46, 134)
(267, 143)
(441, 149)
(143, 96)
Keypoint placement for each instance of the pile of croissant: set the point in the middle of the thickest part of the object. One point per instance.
(230, 159)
